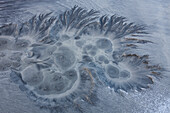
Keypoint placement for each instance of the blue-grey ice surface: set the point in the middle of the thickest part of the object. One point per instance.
(153, 14)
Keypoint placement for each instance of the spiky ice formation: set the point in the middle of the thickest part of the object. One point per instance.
(17, 40)
(131, 73)
(61, 60)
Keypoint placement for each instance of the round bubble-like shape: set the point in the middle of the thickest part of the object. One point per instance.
(124, 74)
(129, 74)
(64, 58)
(102, 59)
(103, 44)
(59, 89)
(5, 64)
(32, 76)
(87, 58)
(4, 44)
(112, 71)
(53, 83)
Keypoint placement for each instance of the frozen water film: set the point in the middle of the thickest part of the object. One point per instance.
(79, 60)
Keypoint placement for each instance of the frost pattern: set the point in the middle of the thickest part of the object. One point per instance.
(60, 61)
